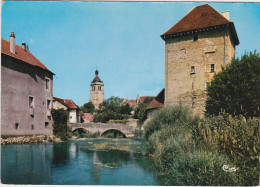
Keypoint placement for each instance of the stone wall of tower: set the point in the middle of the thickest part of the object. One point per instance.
(96, 93)
(183, 52)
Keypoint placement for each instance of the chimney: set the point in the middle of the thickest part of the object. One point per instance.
(226, 14)
(12, 43)
(24, 46)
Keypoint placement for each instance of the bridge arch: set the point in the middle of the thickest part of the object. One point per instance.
(114, 132)
(81, 129)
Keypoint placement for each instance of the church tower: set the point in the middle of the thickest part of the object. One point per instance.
(96, 91)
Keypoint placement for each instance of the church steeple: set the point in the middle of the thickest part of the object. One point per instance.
(97, 91)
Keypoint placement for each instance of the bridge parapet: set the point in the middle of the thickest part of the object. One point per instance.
(103, 127)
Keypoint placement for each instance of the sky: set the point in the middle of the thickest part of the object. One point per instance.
(120, 39)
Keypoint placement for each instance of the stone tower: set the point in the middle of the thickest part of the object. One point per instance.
(96, 91)
(196, 48)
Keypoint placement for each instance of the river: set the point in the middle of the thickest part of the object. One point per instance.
(86, 162)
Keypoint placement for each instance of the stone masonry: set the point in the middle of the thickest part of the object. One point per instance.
(191, 61)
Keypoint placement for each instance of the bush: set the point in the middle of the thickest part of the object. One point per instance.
(188, 150)
(236, 137)
(140, 112)
(112, 109)
(88, 108)
(236, 89)
(60, 128)
(138, 133)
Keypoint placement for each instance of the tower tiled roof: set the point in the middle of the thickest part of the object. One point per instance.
(66, 102)
(157, 102)
(96, 79)
(23, 55)
(203, 16)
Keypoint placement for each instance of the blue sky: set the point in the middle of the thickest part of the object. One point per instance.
(120, 39)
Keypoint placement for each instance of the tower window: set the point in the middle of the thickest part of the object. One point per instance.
(47, 83)
(31, 102)
(16, 125)
(195, 38)
(192, 70)
(46, 124)
(212, 67)
(93, 88)
(48, 104)
(32, 127)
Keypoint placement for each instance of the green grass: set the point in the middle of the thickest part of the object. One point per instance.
(192, 151)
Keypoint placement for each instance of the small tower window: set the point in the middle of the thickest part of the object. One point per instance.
(212, 67)
(16, 125)
(93, 88)
(31, 102)
(32, 127)
(192, 70)
(46, 124)
(47, 83)
(48, 104)
(195, 38)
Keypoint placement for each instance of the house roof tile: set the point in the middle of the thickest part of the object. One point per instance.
(88, 117)
(66, 102)
(157, 102)
(21, 54)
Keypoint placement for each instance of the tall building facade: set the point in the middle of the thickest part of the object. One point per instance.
(26, 92)
(196, 48)
(96, 91)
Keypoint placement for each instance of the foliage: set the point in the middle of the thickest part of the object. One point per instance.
(187, 153)
(140, 112)
(112, 109)
(236, 89)
(81, 133)
(138, 133)
(123, 121)
(60, 128)
(235, 137)
(88, 108)
(113, 134)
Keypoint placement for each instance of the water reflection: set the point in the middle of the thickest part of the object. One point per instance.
(73, 163)
(26, 164)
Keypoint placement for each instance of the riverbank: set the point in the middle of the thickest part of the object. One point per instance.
(29, 139)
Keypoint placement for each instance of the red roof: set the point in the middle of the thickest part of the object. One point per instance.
(132, 102)
(201, 17)
(66, 102)
(157, 102)
(88, 117)
(96, 79)
(21, 54)
(143, 99)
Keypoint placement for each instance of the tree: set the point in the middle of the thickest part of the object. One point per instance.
(60, 128)
(112, 109)
(88, 108)
(140, 112)
(236, 90)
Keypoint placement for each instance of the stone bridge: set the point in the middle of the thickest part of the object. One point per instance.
(100, 128)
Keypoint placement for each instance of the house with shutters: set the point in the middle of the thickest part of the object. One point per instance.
(26, 92)
(196, 48)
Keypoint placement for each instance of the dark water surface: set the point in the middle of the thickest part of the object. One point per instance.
(87, 162)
